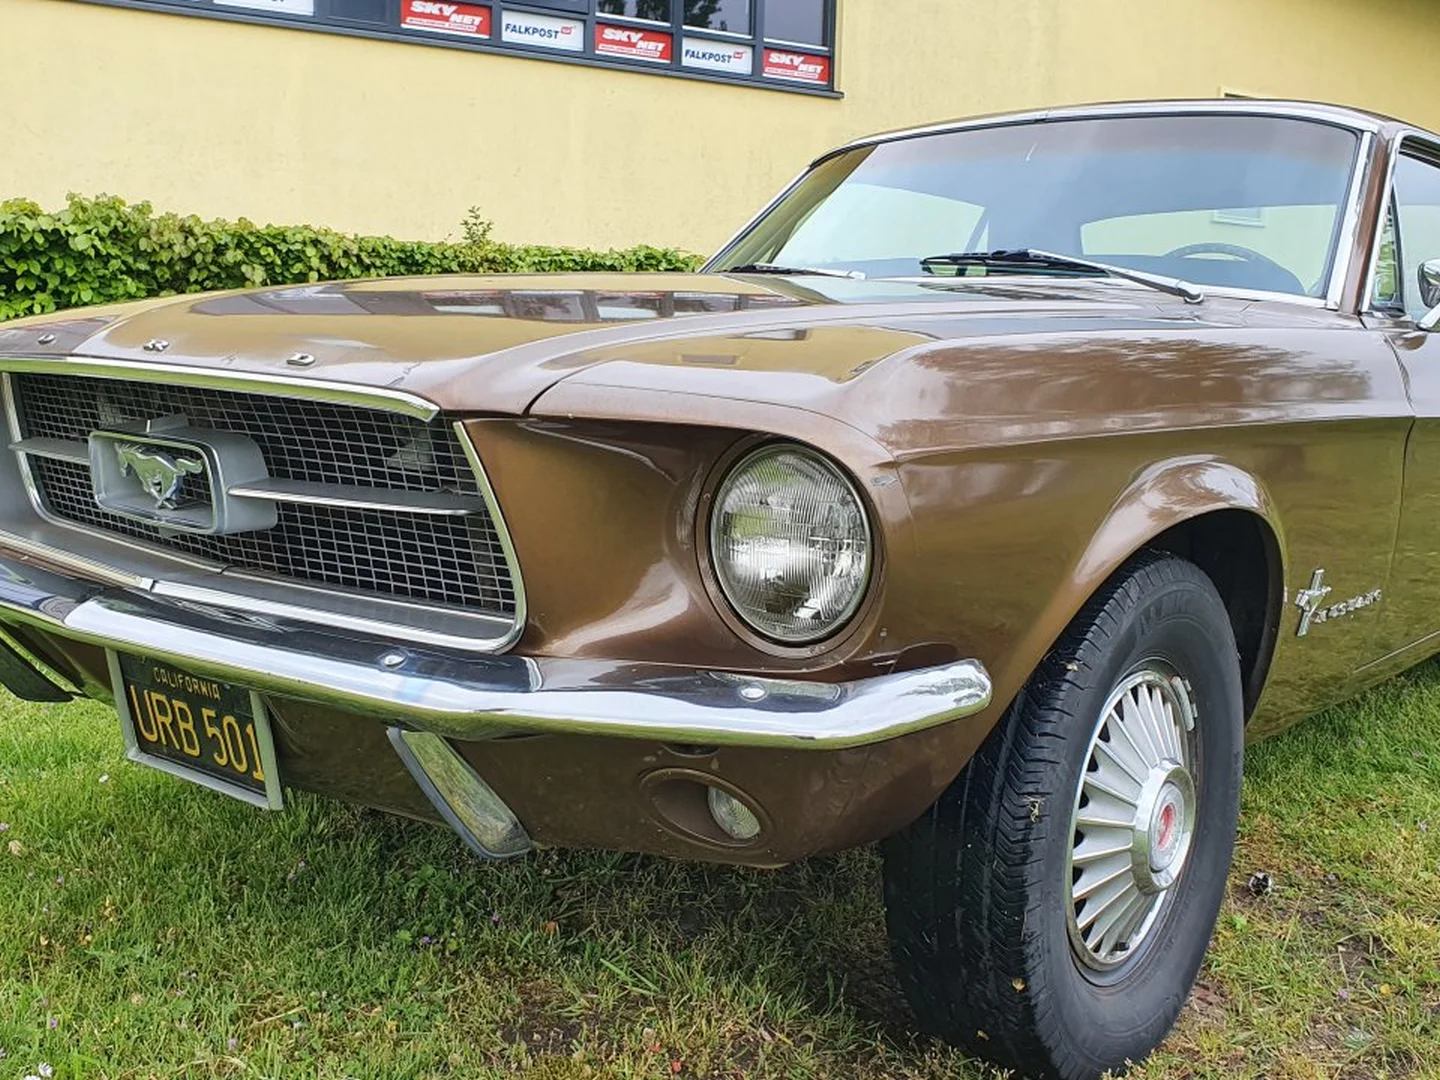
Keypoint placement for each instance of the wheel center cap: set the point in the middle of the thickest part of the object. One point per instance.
(1166, 828)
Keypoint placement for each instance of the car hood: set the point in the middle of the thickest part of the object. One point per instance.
(495, 344)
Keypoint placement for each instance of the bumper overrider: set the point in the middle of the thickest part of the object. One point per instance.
(429, 700)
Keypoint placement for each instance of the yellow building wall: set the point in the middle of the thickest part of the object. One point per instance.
(218, 118)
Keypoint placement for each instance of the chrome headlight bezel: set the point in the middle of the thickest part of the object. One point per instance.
(718, 577)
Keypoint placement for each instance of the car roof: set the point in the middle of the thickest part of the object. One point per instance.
(1339, 115)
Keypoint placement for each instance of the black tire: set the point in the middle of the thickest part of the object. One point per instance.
(978, 892)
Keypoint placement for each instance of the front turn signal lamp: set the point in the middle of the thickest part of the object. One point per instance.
(736, 819)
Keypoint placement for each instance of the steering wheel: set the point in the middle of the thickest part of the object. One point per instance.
(1235, 251)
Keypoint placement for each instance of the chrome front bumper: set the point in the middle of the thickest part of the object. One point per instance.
(480, 697)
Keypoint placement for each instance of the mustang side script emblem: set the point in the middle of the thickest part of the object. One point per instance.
(160, 474)
(1312, 614)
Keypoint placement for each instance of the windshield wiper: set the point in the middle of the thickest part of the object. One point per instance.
(771, 268)
(1029, 257)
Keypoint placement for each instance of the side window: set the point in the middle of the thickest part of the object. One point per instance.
(1417, 203)
(1387, 269)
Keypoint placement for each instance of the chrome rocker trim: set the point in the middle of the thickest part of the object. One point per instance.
(482, 696)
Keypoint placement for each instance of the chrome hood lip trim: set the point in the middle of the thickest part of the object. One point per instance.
(344, 393)
(470, 697)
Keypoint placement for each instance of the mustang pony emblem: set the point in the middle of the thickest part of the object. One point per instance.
(159, 474)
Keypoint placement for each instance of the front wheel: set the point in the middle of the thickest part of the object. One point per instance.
(1052, 909)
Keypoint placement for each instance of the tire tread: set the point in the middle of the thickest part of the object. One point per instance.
(958, 896)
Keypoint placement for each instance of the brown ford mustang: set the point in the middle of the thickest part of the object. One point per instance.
(981, 497)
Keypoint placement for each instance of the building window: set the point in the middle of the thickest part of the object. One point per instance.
(727, 16)
(361, 11)
(645, 10)
(799, 22)
(780, 44)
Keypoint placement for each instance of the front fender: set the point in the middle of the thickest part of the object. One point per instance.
(1024, 537)
(1165, 496)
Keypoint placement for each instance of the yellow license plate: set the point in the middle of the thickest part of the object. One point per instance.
(197, 728)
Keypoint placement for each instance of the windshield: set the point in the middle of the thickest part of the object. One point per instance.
(1244, 202)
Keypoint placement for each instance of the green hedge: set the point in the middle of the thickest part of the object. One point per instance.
(101, 250)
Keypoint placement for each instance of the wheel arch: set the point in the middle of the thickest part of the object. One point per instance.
(1240, 552)
(1215, 514)
(1219, 516)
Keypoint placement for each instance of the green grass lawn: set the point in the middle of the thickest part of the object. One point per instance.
(149, 928)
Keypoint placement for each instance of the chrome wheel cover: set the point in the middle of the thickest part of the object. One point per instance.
(1133, 821)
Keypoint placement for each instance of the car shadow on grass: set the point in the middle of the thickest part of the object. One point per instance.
(593, 937)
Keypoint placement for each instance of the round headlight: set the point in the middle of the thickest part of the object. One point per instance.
(790, 544)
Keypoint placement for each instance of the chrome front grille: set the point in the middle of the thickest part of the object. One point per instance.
(325, 455)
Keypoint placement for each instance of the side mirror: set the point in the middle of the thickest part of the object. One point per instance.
(1430, 293)
(1430, 283)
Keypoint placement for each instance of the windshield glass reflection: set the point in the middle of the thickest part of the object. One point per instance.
(1246, 202)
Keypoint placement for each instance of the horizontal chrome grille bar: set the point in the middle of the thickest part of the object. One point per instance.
(55, 449)
(443, 503)
(279, 489)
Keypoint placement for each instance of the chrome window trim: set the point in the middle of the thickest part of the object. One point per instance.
(1354, 121)
(214, 593)
(740, 233)
(1397, 145)
(1350, 224)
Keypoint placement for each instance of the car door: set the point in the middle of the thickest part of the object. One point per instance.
(1410, 624)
